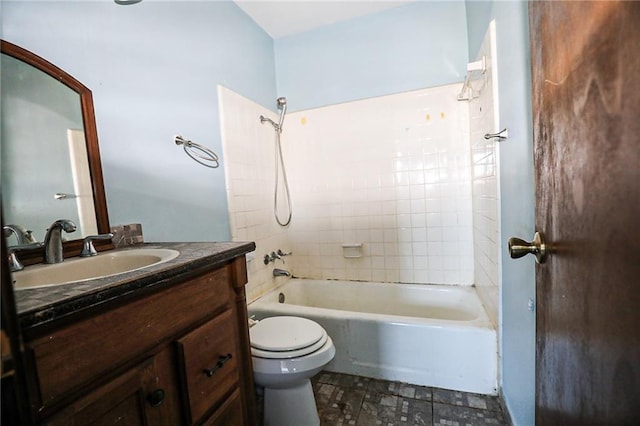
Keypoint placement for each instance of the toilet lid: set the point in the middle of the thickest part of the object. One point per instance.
(279, 334)
(291, 354)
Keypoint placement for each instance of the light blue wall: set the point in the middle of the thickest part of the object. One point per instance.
(153, 69)
(517, 208)
(419, 45)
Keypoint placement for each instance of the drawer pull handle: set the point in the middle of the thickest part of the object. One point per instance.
(221, 361)
(156, 397)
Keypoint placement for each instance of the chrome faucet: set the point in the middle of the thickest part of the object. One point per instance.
(22, 235)
(53, 240)
(281, 273)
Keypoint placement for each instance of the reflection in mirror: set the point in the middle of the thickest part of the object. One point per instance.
(42, 136)
(50, 158)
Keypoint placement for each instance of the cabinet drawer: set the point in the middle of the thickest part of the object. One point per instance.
(210, 363)
(75, 355)
(229, 413)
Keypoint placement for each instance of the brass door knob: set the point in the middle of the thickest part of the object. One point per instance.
(537, 247)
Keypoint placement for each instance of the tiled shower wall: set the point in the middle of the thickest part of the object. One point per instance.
(392, 173)
(484, 153)
(248, 159)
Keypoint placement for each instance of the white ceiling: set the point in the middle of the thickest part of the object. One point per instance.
(286, 17)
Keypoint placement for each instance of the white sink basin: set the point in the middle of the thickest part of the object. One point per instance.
(103, 265)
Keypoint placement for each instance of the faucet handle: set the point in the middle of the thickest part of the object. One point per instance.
(273, 256)
(87, 244)
(12, 255)
(282, 254)
(14, 264)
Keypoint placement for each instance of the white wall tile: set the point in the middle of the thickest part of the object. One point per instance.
(484, 184)
(248, 149)
(393, 173)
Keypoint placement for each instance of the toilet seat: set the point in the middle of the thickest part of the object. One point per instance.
(291, 354)
(286, 337)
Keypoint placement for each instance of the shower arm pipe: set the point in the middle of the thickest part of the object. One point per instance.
(275, 125)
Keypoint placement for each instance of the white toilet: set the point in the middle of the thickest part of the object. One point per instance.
(286, 352)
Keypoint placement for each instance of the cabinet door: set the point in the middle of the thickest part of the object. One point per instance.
(145, 395)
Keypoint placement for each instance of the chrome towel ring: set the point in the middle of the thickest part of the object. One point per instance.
(199, 153)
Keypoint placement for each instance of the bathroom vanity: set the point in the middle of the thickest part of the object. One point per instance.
(161, 344)
(167, 344)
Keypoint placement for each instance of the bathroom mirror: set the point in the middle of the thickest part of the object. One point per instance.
(50, 156)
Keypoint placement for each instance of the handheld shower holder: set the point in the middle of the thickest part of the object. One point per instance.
(281, 103)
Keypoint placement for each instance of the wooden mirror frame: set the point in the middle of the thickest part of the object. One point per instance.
(71, 248)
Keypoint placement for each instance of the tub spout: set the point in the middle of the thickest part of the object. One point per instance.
(281, 273)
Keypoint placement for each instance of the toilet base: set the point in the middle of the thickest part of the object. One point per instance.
(294, 406)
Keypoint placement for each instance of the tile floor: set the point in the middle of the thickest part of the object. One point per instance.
(353, 400)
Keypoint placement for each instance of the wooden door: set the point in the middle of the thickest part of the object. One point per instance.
(585, 59)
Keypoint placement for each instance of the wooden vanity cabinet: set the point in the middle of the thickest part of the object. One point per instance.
(176, 353)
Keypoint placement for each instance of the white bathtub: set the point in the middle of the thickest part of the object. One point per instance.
(426, 335)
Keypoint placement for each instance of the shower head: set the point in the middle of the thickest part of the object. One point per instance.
(282, 106)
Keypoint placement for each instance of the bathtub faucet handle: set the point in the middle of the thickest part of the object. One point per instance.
(275, 256)
(268, 258)
(282, 254)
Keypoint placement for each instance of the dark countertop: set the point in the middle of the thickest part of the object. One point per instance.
(46, 304)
